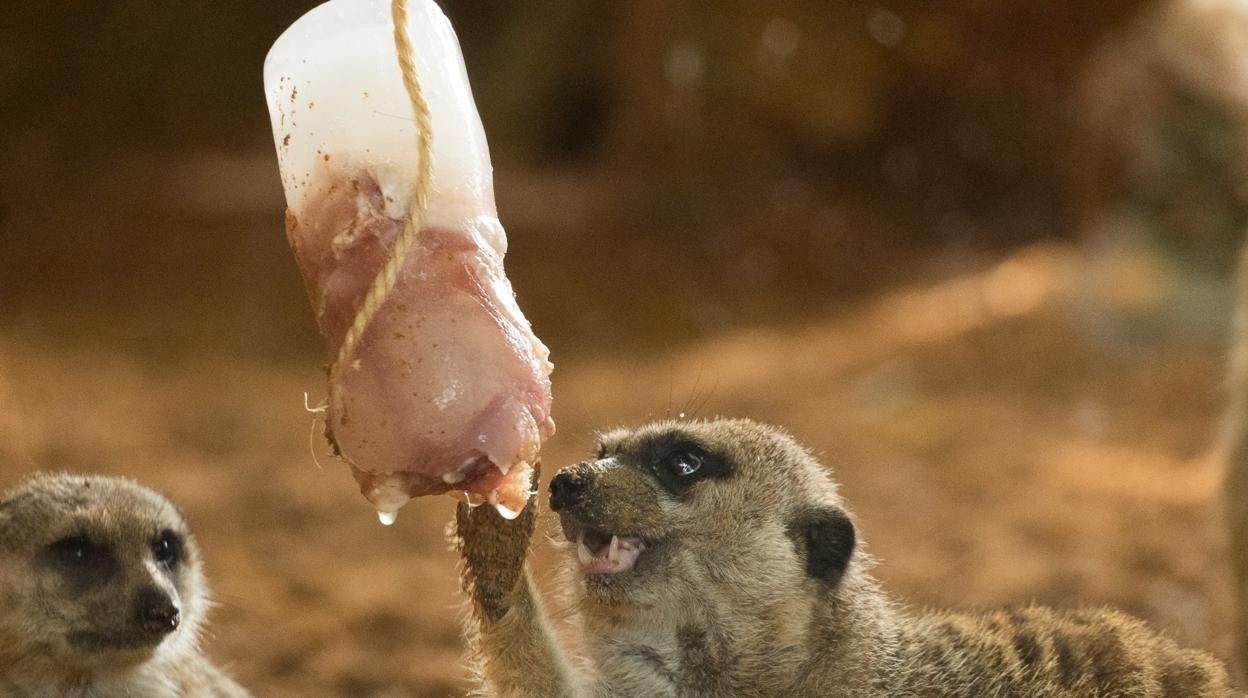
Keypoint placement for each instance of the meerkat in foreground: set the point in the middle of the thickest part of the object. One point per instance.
(101, 593)
(715, 558)
(1236, 483)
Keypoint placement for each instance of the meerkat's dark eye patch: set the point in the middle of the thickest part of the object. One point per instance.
(79, 559)
(679, 462)
(167, 548)
(827, 538)
(73, 550)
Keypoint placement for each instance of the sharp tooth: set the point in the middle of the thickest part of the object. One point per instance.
(614, 554)
(582, 551)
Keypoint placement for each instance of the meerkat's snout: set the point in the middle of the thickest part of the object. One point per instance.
(605, 543)
(156, 613)
(568, 486)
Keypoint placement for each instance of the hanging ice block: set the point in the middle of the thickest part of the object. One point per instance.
(449, 389)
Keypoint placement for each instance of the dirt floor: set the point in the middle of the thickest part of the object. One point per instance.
(995, 449)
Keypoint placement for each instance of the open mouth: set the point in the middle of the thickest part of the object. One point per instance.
(606, 553)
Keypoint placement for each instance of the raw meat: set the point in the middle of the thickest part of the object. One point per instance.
(448, 388)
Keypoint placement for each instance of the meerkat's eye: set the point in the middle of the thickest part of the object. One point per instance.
(684, 463)
(167, 549)
(682, 466)
(73, 551)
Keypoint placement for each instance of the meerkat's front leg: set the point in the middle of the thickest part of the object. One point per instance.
(516, 652)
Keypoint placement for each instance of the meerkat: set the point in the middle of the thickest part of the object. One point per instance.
(102, 593)
(1235, 488)
(716, 558)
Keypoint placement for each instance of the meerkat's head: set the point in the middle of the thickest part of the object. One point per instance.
(664, 510)
(95, 572)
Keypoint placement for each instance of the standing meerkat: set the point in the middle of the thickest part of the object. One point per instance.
(715, 558)
(101, 593)
(1236, 483)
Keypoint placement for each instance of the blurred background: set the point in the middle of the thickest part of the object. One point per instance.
(976, 254)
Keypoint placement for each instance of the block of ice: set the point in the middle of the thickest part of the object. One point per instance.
(448, 389)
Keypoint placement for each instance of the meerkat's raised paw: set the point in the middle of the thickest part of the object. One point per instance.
(493, 551)
(101, 593)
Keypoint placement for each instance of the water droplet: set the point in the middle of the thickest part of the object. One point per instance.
(387, 518)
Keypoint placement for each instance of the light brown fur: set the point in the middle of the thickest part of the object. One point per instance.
(753, 583)
(101, 593)
(1236, 485)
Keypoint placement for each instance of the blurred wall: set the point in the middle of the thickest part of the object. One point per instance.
(788, 153)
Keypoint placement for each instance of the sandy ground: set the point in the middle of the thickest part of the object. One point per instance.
(994, 450)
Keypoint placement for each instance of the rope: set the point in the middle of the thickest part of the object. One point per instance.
(386, 278)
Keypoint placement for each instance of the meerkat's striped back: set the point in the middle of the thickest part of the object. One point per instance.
(1044, 652)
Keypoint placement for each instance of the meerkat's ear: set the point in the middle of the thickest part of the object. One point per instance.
(826, 538)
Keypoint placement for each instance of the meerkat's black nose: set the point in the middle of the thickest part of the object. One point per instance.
(156, 612)
(567, 488)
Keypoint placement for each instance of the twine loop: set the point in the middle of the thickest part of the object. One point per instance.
(385, 280)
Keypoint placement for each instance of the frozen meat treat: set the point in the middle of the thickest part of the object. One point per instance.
(436, 381)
